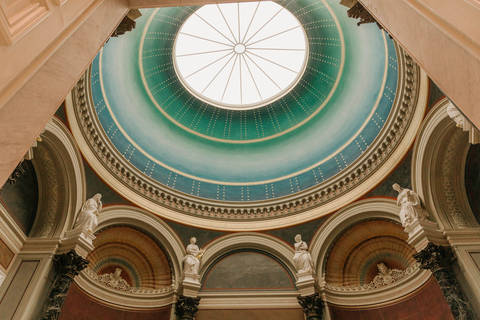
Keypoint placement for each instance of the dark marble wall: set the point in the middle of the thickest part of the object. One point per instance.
(427, 303)
(401, 175)
(472, 179)
(21, 198)
(435, 95)
(80, 306)
(96, 185)
(247, 270)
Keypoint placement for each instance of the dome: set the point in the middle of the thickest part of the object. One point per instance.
(281, 160)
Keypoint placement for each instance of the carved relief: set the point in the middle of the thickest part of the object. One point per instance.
(448, 180)
(115, 281)
(385, 277)
(51, 190)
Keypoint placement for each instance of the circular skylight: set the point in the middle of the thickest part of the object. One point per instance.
(240, 55)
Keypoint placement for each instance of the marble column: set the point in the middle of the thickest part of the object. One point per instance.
(439, 260)
(312, 306)
(186, 307)
(67, 266)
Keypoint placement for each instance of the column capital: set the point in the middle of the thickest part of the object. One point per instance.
(186, 307)
(312, 306)
(435, 257)
(69, 264)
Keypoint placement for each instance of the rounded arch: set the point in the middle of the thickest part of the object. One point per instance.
(342, 219)
(442, 148)
(134, 217)
(251, 241)
(326, 236)
(61, 181)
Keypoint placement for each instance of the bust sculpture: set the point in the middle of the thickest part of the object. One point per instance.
(191, 260)
(411, 208)
(87, 218)
(302, 259)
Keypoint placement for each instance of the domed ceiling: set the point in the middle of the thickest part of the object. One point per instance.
(246, 124)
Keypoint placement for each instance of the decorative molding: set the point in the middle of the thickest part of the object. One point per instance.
(20, 16)
(249, 300)
(378, 281)
(128, 23)
(442, 148)
(118, 283)
(463, 123)
(123, 215)
(448, 174)
(392, 142)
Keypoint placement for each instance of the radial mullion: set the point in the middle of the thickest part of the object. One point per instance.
(219, 72)
(228, 81)
(205, 52)
(282, 49)
(263, 26)
(263, 71)
(253, 79)
(208, 65)
(226, 23)
(253, 17)
(191, 35)
(241, 91)
(215, 29)
(277, 64)
(274, 35)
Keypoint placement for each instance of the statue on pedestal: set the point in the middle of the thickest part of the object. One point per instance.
(302, 259)
(87, 218)
(411, 207)
(192, 259)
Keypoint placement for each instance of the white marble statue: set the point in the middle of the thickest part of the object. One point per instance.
(411, 207)
(302, 259)
(87, 218)
(191, 261)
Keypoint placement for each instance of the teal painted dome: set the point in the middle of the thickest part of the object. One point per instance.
(323, 125)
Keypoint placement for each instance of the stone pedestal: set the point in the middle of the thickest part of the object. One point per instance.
(312, 306)
(421, 232)
(190, 284)
(306, 283)
(439, 260)
(79, 240)
(186, 307)
(67, 266)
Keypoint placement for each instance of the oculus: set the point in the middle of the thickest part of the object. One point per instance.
(240, 56)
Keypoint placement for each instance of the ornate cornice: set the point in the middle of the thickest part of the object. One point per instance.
(147, 190)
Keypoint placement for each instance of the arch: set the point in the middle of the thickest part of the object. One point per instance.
(251, 241)
(124, 215)
(61, 181)
(442, 148)
(335, 226)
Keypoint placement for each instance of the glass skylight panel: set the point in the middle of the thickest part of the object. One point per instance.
(240, 55)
